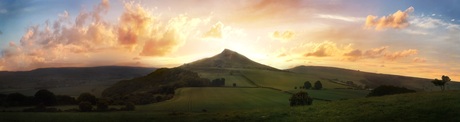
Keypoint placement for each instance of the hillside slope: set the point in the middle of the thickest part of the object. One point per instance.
(161, 82)
(371, 80)
(67, 80)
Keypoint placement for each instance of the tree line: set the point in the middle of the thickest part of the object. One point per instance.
(44, 100)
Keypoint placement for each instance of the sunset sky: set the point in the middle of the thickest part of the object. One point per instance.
(405, 37)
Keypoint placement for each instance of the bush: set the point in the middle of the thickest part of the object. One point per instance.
(388, 90)
(300, 98)
(85, 106)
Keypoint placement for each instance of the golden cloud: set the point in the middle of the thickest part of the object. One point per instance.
(357, 54)
(418, 59)
(215, 31)
(89, 38)
(325, 49)
(400, 54)
(283, 36)
(396, 20)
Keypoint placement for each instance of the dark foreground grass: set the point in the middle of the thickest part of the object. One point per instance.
(427, 106)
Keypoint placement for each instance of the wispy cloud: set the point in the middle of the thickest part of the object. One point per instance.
(3, 11)
(339, 17)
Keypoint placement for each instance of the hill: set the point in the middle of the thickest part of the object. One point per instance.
(227, 59)
(68, 80)
(371, 80)
(157, 86)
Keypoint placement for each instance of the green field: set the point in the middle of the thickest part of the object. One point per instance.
(281, 80)
(335, 94)
(284, 80)
(220, 99)
(423, 106)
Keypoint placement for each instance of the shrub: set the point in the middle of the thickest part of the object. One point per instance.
(85, 106)
(300, 98)
(388, 90)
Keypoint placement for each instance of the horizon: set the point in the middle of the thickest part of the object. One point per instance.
(407, 38)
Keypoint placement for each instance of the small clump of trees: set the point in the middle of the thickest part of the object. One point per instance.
(307, 85)
(218, 82)
(300, 98)
(44, 100)
(388, 90)
(441, 83)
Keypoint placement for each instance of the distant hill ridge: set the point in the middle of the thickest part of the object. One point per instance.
(77, 78)
(228, 59)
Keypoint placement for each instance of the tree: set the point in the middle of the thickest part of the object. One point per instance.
(318, 85)
(129, 106)
(307, 85)
(16, 99)
(85, 106)
(199, 82)
(102, 105)
(87, 97)
(441, 83)
(45, 97)
(65, 100)
(300, 98)
(218, 82)
(388, 90)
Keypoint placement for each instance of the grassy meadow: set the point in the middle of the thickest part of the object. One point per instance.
(421, 106)
(220, 99)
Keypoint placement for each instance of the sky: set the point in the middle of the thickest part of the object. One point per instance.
(419, 38)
